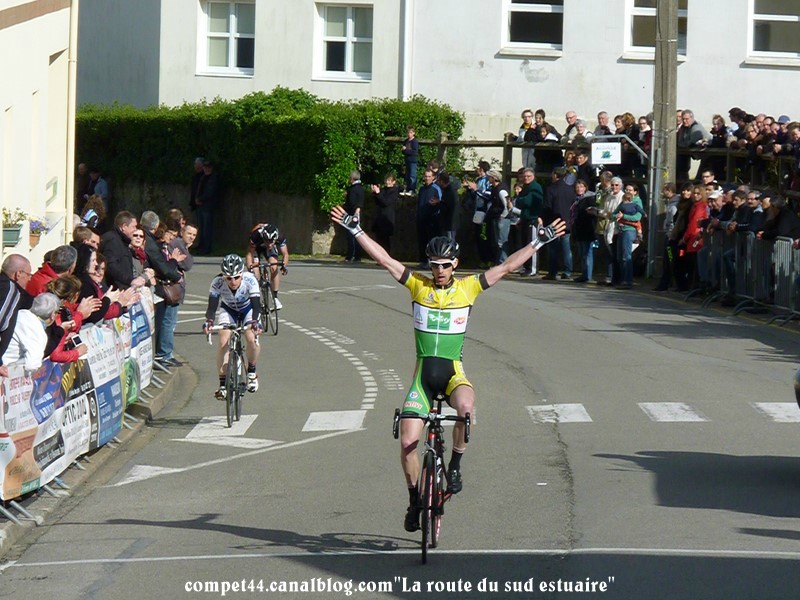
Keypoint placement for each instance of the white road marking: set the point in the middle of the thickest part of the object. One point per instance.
(559, 413)
(191, 320)
(231, 442)
(333, 340)
(143, 472)
(211, 427)
(681, 552)
(191, 312)
(335, 420)
(780, 412)
(672, 412)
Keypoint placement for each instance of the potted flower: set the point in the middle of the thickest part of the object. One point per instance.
(12, 224)
(37, 228)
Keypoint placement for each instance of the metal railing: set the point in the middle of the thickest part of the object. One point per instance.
(760, 275)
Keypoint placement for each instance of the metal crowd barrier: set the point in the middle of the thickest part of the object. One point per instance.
(787, 269)
(757, 274)
(719, 243)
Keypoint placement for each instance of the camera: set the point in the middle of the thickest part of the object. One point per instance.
(73, 342)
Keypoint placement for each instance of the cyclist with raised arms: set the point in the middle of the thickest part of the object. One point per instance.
(266, 242)
(441, 306)
(234, 299)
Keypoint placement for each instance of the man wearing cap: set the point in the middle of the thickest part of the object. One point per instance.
(558, 200)
(195, 183)
(206, 200)
(428, 197)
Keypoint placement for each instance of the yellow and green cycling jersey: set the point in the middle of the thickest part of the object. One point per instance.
(441, 314)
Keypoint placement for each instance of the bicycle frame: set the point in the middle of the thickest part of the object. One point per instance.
(431, 484)
(236, 371)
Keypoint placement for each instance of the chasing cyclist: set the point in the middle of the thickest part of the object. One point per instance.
(234, 299)
(266, 242)
(441, 305)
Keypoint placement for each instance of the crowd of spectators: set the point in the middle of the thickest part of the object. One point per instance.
(759, 139)
(94, 278)
(605, 207)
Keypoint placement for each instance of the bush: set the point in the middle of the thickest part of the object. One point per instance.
(287, 141)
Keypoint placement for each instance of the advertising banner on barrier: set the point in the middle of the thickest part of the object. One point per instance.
(53, 415)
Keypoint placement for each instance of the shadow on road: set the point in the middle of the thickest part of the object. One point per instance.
(761, 485)
(391, 566)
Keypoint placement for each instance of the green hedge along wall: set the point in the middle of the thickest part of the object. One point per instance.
(287, 142)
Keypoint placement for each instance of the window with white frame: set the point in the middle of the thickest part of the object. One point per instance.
(533, 24)
(345, 41)
(641, 32)
(776, 28)
(230, 37)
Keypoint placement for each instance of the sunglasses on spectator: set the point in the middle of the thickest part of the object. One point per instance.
(232, 277)
(137, 235)
(441, 265)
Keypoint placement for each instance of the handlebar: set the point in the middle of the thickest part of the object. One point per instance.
(228, 327)
(431, 417)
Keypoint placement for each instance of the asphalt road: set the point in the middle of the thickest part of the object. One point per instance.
(624, 443)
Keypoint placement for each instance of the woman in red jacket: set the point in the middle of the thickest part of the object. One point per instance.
(67, 320)
(90, 269)
(692, 240)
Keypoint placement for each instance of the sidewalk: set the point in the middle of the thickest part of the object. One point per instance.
(178, 382)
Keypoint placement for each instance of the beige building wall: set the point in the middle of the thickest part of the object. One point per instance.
(34, 117)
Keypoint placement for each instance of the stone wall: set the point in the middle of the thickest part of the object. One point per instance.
(307, 230)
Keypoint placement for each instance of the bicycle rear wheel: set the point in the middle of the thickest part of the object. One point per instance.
(427, 479)
(231, 387)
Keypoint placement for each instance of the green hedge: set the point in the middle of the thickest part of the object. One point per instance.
(288, 141)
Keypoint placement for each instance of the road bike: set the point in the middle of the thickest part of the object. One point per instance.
(236, 375)
(432, 483)
(269, 314)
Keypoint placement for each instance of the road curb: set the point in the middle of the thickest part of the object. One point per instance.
(42, 503)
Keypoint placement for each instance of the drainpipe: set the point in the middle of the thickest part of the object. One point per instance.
(407, 54)
(72, 72)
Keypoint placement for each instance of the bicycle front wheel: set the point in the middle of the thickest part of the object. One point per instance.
(263, 318)
(242, 387)
(231, 387)
(272, 312)
(437, 511)
(427, 500)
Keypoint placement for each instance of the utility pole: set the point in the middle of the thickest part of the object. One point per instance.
(665, 99)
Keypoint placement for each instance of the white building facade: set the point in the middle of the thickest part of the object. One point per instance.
(36, 118)
(487, 58)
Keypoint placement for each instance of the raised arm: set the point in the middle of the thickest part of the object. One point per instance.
(370, 246)
(542, 235)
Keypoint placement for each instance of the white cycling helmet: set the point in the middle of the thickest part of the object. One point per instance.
(232, 265)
